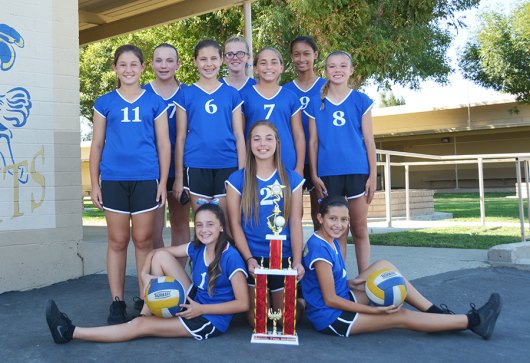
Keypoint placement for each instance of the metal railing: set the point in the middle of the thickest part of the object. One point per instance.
(479, 159)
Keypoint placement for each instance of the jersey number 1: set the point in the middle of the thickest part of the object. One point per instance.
(126, 118)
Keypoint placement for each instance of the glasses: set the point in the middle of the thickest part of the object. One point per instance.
(232, 55)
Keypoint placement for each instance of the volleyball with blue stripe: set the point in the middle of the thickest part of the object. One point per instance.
(386, 287)
(164, 295)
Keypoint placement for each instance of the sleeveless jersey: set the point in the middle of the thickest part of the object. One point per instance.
(231, 263)
(255, 232)
(130, 151)
(278, 109)
(341, 148)
(305, 97)
(317, 249)
(210, 143)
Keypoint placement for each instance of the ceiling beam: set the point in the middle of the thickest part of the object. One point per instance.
(92, 18)
(152, 18)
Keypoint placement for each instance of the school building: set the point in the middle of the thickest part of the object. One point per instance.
(40, 173)
(41, 180)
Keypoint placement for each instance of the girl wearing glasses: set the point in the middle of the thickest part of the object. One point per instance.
(236, 57)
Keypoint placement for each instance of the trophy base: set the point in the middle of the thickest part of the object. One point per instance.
(274, 339)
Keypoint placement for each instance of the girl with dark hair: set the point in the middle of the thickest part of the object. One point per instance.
(249, 204)
(219, 291)
(306, 85)
(337, 306)
(130, 155)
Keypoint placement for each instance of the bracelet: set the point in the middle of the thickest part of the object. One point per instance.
(250, 258)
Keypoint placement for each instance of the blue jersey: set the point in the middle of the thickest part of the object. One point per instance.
(255, 232)
(171, 120)
(317, 249)
(248, 83)
(210, 143)
(230, 264)
(305, 97)
(130, 150)
(341, 148)
(278, 109)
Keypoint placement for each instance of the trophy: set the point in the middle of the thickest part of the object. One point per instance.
(275, 222)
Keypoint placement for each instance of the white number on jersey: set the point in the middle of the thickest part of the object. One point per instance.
(267, 199)
(304, 101)
(210, 107)
(172, 108)
(203, 280)
(270, 107)
(126, 118)
(338, 118)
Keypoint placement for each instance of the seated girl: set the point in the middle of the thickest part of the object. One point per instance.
(208, 310)
(333, 308)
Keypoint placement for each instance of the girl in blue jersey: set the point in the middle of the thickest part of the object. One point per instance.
(130, 154)
(210, 140)
(219, 291)
(249, 204)
(268, 101)
(334, 308)
(306, 85)
(236, 57)
(164, 64)
(342, 149)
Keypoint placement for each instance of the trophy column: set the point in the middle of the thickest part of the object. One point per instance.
(262, 313)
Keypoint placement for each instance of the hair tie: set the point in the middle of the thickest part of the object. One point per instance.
(214, 201)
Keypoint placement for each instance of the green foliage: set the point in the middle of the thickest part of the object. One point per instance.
(499, 56)
(388, 99)
(391, 41)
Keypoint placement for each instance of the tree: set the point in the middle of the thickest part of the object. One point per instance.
(388, 99)
(499, 56)
(391, 41)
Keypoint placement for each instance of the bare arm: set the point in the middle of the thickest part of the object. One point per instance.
(313, 158)
(299, 141)
(238, 305)
(237, 127)
(96, 149)
(163, 147)
(331, 299)
(182, 132)
(233, 206)
(368, 136)
(295, 226)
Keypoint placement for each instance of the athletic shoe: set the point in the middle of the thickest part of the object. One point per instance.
(60, 326)
(138, 303)
(117, 312)
(487, 315)
(446, 310)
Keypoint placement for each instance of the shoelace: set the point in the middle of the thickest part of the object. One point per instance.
(473, 308)
(446, 309)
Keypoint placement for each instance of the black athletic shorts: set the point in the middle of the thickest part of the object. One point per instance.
(308, 184)
(343, 324)
(208, 183)
(129, 197)
(200, 328)
(171, 181)
(350, 186)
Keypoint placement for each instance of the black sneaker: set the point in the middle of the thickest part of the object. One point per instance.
(117, 312)
(138, 303)
(487, 315)
(60, 326)
(446, 310)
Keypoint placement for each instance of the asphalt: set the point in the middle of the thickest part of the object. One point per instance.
(451, 276)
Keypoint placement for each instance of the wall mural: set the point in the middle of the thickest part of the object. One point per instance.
(17, 172)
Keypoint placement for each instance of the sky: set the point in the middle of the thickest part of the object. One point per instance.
(459, 90)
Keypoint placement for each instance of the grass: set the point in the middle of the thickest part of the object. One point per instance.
(465, 208)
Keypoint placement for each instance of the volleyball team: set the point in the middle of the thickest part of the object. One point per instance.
(216, 146)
